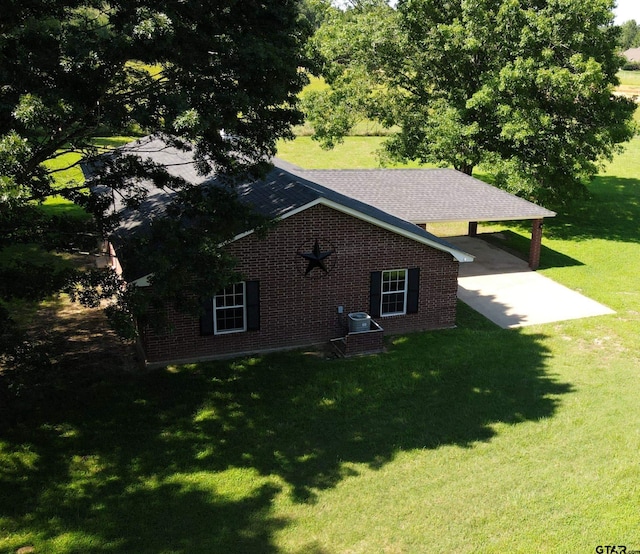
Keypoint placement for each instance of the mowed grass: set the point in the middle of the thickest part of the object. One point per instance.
(629, 78)
(67, 172)
(355, 152)
(475, 439)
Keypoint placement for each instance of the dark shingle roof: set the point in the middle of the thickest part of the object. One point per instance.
(427, 195)
(280, 194)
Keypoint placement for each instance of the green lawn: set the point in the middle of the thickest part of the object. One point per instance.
(65, 171)
(629, 78)
(356, 152)
(475, 439)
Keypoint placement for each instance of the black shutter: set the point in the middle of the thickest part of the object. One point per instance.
(413, 290)
(206, 317)
(253, 305)
(375, 293)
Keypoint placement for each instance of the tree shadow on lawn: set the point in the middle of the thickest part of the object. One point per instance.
(612, 212)
(104, 473)
(128, 466)
(519, 245)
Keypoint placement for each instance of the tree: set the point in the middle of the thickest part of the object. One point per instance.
(629, 35)
(218, 77)
(346, 50)
(522, 86)
(315, 12)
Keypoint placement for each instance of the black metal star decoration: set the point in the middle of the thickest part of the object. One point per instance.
(316, 258)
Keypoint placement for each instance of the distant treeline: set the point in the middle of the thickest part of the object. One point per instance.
(630, 36)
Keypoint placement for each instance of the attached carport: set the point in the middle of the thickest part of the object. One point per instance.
(497, 284)
(424, 196)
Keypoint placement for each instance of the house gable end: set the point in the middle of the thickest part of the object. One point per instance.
(398, 226)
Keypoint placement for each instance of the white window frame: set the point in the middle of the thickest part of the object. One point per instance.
(405, 291)
(224, 293)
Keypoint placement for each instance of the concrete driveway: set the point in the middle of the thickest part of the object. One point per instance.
(502, 288)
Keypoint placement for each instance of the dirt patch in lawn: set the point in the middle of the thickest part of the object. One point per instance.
(67, 344)
(80, 340)
(70, 356)
(72, 338)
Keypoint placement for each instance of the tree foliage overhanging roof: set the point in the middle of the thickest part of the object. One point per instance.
(222, 76)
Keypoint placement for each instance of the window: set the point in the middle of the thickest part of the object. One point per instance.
(233, 310)
(229, 310)
(394, 292)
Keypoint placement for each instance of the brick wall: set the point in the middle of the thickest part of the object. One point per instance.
(298, 309)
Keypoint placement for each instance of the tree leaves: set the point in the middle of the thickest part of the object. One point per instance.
(221, 78)
(523, 87)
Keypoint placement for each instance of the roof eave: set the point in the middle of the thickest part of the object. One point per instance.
(459, 255)
(487, 220)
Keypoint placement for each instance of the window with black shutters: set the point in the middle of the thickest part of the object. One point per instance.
(229, 310)
(394, 292)
(233, 310)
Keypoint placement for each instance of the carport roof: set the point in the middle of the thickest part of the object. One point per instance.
(425, 195)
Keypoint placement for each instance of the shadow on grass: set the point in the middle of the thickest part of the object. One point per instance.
(611, 213)
(142, 464)
(519, 246)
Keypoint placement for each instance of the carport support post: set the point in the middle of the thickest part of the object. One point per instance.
(536, 244)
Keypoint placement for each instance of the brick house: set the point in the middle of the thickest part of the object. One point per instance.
(329, 256)
(400, 280)
(346, 242)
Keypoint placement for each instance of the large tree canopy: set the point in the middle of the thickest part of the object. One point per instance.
(72, 68)
(220, 77)
(525, 86)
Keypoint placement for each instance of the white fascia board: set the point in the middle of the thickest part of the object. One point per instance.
(459, 255)
(486, 220)
(144, 281)
(285, 216)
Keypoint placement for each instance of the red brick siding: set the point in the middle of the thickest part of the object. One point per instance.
(536, 244)
(296, 309)
(363, 343)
